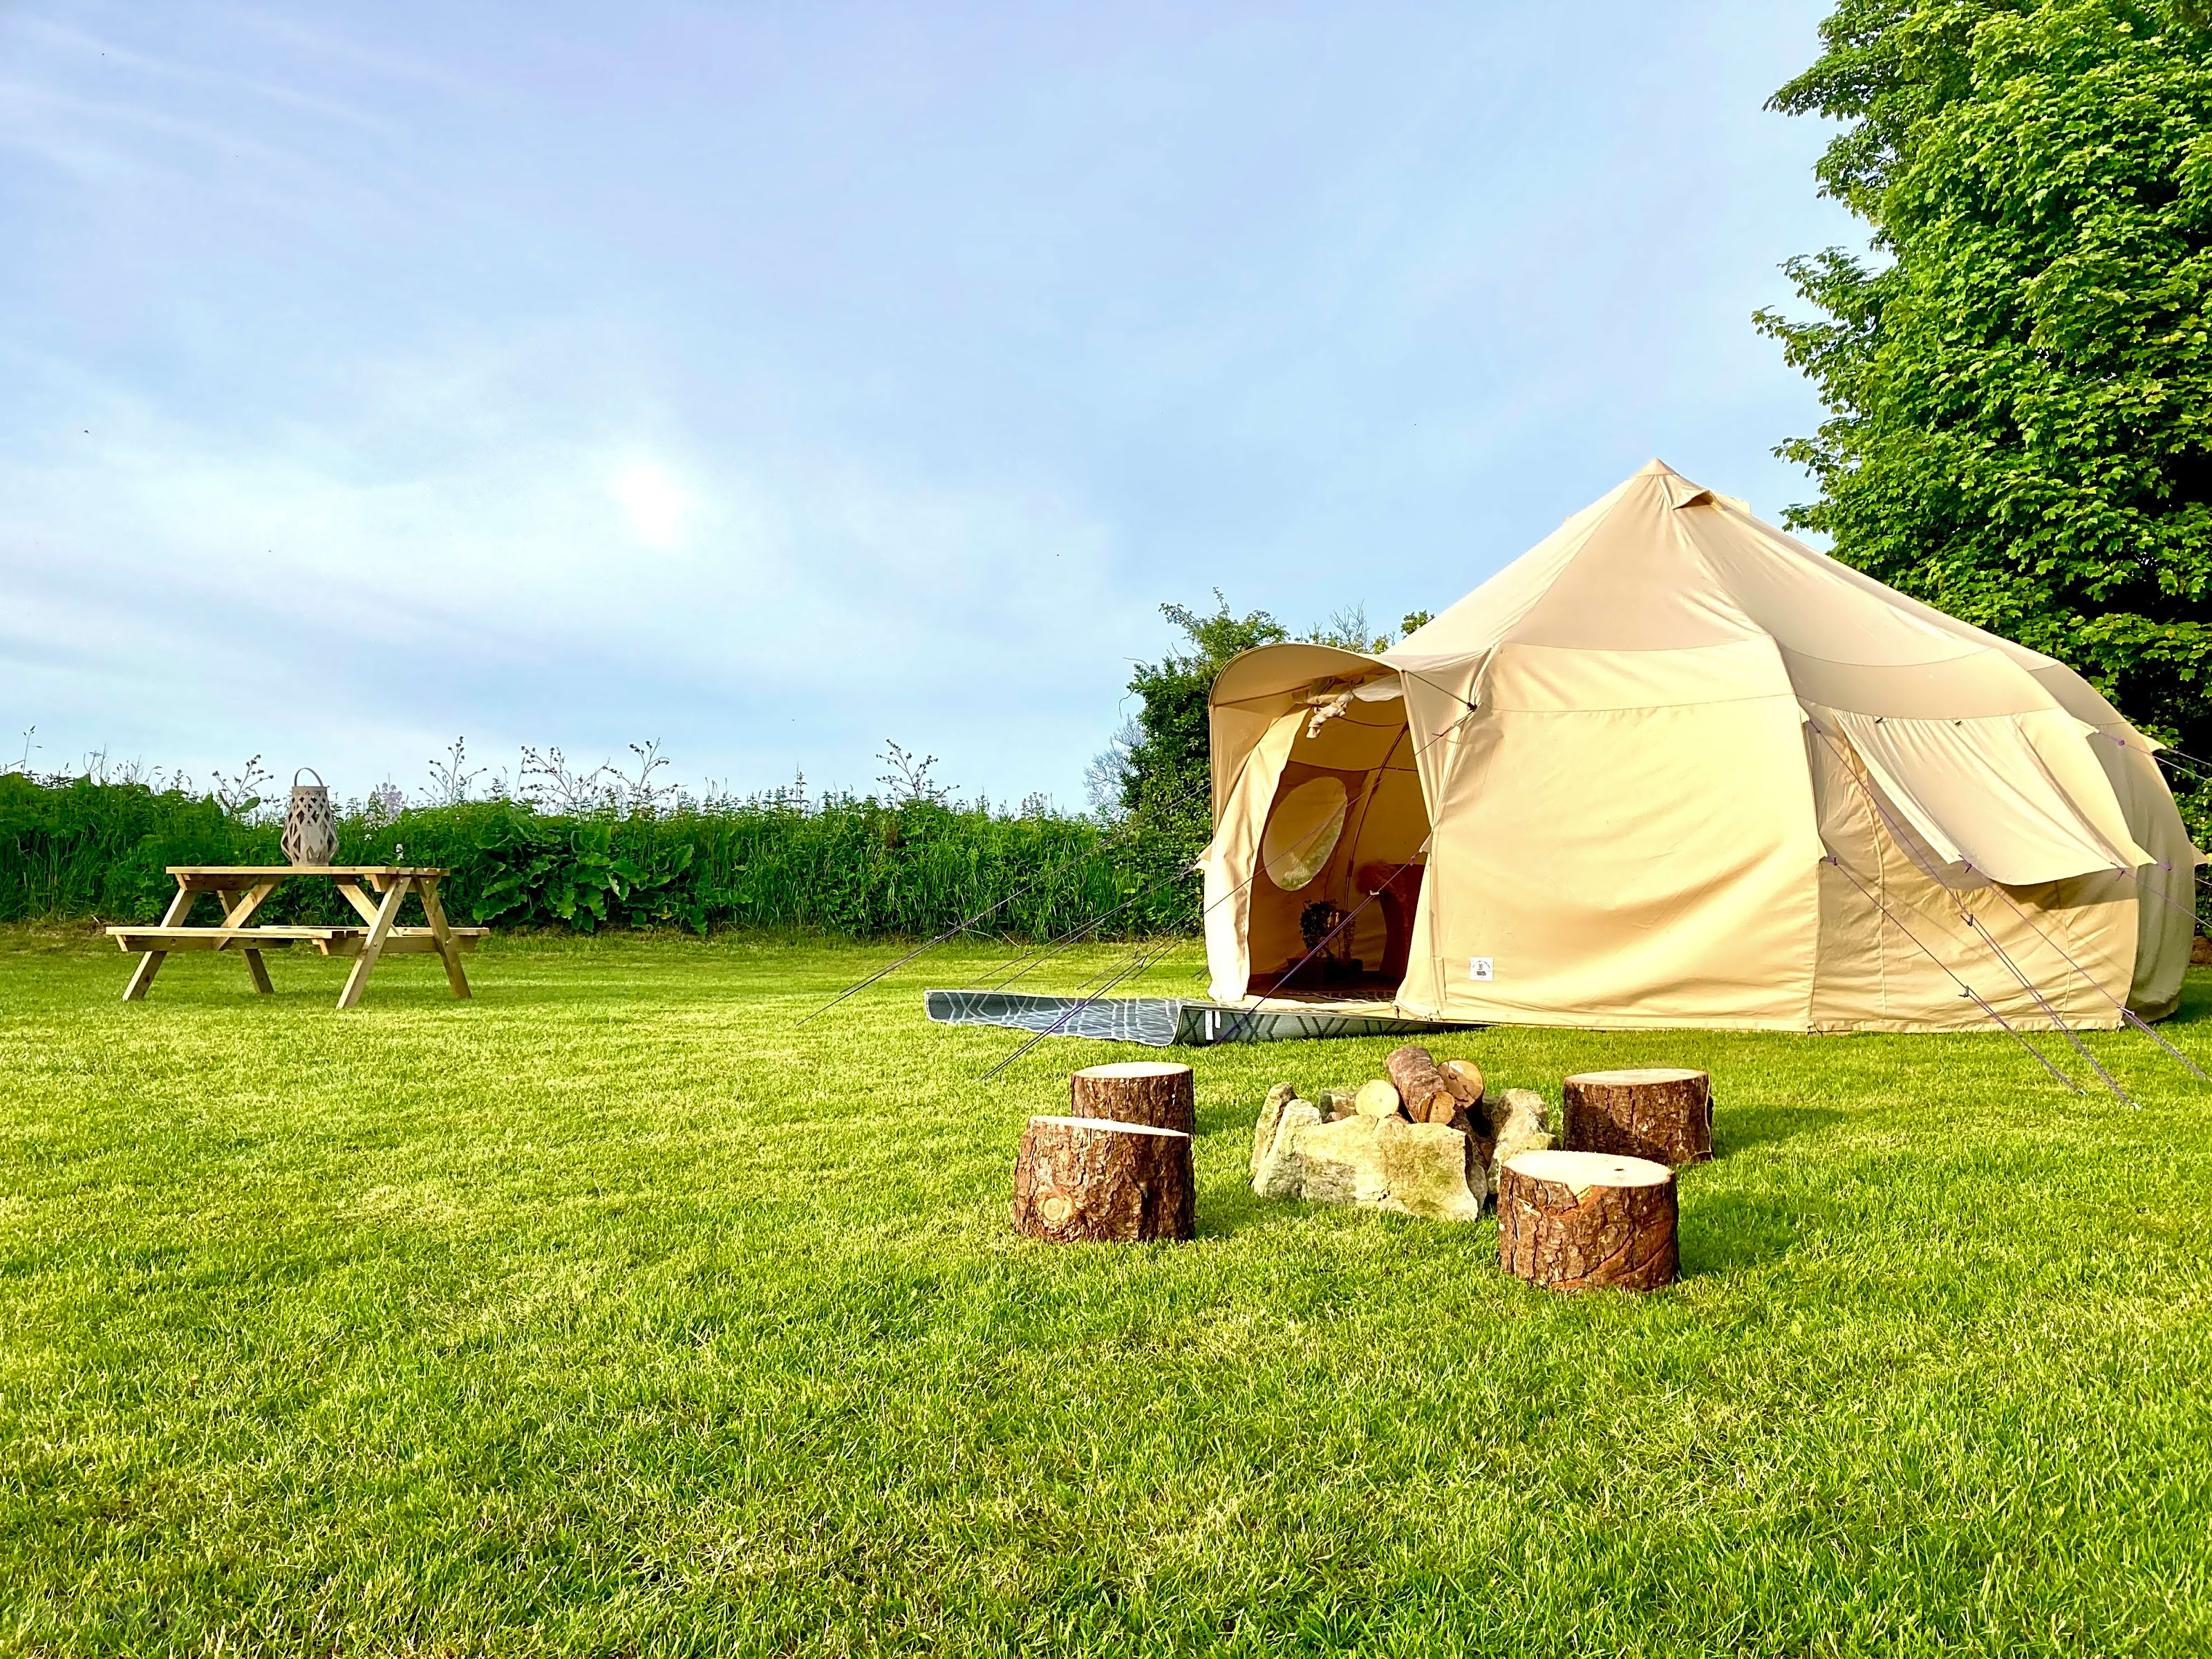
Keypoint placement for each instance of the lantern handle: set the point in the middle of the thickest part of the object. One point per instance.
(311, 773)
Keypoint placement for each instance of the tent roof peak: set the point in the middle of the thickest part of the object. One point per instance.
(1678, 490)
(1662, 562)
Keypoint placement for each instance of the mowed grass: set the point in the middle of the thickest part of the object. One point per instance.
(615, 1312)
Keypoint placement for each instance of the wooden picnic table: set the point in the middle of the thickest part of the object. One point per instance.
(242, 890)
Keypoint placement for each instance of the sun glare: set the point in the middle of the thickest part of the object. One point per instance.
(660, 508)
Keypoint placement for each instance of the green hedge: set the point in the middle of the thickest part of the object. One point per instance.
(79, 847)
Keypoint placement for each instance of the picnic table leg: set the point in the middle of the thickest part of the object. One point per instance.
(141, 976)
(236, 913)
(448, 953)
(364, 905)
(373, 947)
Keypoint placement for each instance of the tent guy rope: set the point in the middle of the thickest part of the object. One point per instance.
(1902, 837)
(1964, 989)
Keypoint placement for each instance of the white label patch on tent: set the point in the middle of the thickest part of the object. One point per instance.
(1478, 968)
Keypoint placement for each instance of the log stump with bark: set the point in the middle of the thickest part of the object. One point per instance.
(1093, 1179)
(1663, 1112)
(1578, 1221)
(1151, 1092)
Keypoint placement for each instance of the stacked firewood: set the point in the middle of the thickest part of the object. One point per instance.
(1339, 1148)
(1451, 1092)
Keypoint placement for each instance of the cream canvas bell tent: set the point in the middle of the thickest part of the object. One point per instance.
(1673, 767)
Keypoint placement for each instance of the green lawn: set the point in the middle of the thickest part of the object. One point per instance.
(613, 1313)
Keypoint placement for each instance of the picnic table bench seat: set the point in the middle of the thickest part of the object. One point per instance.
(330, 941)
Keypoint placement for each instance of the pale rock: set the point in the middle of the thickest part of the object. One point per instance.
(1517, 1120)
(1517, 1111)
(1375, 1163)
(1279, 1172)
(1337, 1103)
(1271, 1112)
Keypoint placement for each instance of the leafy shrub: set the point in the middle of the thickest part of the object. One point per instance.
(84, 849)
(572, 872)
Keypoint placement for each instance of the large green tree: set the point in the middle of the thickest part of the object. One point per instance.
(2020, 376)
(1165, 783)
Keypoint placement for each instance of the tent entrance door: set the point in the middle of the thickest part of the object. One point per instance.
(1366, 960)
(1342, 863)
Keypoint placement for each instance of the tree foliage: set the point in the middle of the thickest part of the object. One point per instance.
(2021, 376)
(1166, 785)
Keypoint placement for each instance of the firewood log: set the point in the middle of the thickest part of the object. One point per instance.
(1420, 1082)
(1465, 1078)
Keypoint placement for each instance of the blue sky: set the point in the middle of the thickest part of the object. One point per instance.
(776, 381)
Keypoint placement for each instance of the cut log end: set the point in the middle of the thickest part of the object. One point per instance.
(1575, 1221)
(1377, 1097)
(1445, 1108)
(1093, 1179)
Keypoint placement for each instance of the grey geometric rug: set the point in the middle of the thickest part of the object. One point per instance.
(1160, 1021)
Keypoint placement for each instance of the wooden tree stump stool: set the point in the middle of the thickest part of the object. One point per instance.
(1660, 1112)
(1090, 1178)
(1579, 1221)
(1136, 1091)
